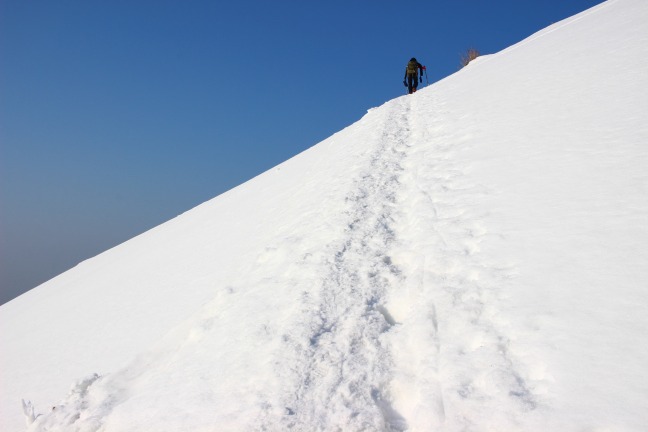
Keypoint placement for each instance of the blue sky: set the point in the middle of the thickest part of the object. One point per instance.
(117, 116)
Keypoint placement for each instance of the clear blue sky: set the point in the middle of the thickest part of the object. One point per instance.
(116, 116)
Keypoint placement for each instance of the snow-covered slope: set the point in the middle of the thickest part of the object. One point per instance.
(472, 257)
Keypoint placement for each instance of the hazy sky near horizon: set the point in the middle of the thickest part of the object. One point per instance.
(118, 116)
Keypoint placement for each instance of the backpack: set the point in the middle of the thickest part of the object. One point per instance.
(412, 67)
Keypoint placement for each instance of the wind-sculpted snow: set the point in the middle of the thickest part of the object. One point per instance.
(454, 292)
(468, 258)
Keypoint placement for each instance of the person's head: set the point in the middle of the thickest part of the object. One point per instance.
(413, 59)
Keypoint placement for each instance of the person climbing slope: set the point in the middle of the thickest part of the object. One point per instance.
(413, 74)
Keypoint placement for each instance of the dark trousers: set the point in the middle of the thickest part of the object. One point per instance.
(412, 82)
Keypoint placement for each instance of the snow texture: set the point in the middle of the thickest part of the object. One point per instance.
(469, 258)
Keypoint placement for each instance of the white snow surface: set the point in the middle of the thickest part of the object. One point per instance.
(473, 257)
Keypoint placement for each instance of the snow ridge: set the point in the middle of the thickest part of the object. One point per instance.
(467, 258)
(343, 367)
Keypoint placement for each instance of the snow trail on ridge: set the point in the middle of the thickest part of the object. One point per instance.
(342, 368)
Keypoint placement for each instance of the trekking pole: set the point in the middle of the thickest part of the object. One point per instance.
(427, 83)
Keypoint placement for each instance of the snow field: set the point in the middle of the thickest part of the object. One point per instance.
(468, 258)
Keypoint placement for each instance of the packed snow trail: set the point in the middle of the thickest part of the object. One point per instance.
(342, 368)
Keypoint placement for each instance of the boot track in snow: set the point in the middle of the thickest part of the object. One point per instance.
(344, 366)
